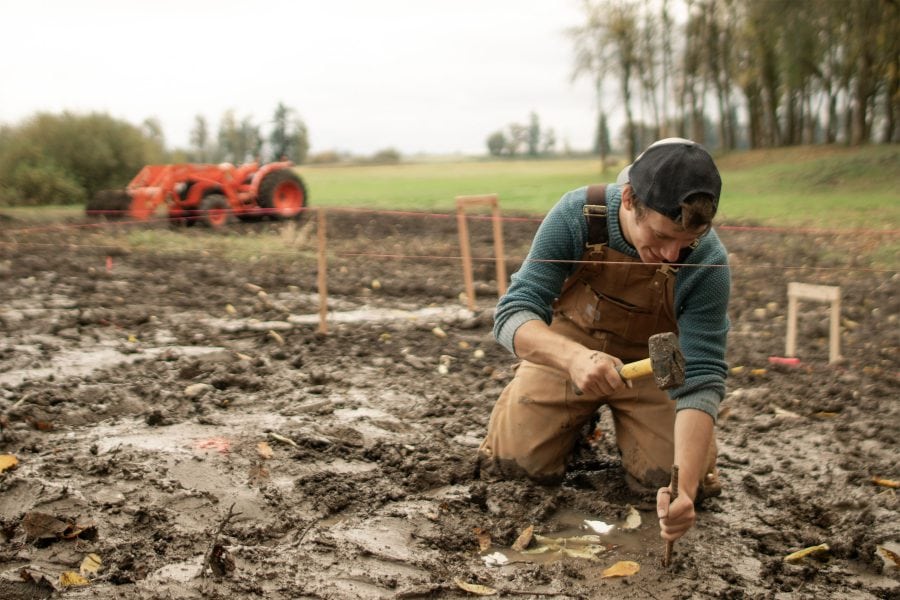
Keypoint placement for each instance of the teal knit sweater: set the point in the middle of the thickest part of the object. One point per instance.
(701, 294)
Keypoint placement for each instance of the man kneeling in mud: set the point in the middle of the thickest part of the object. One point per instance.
(609, 267)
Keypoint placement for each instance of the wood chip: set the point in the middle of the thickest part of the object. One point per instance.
(524, 539)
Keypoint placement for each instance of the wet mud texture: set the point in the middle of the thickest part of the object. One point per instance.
(145, 393)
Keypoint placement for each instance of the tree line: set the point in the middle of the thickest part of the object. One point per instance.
(743, 73)
(67, 158)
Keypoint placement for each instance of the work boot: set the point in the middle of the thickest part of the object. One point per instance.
(710, 487)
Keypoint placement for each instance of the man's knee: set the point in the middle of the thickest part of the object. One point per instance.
(493, 468)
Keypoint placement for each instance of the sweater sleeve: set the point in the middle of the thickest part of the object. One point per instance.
(701, 305)
(537, 284)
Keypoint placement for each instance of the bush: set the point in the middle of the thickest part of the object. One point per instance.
(67, 158)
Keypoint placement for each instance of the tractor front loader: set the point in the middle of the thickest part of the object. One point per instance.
(207, 194)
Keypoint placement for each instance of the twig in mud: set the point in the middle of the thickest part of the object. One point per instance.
(304, 532)
(212, 545)
(667, 557)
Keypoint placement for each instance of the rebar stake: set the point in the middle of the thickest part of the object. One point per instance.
(673, 486)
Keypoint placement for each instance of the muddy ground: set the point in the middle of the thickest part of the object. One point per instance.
(147, 391)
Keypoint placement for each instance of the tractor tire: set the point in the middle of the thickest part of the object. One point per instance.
(215, 211)
(282, 195)
(109, 204)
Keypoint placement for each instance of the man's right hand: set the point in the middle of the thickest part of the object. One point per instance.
(596, 373)
(591, 371)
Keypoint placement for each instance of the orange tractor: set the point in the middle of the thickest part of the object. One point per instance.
(207, 194)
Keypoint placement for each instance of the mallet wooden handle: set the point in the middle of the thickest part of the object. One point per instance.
(634, 370)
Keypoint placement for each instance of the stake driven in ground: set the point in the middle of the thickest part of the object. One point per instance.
(673, 487)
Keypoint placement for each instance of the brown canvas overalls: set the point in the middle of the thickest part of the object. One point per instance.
(613, 305)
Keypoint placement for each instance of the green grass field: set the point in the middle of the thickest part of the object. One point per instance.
(813, 187)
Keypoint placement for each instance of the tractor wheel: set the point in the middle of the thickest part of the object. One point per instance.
(282, 195)
(110, 204)
(215, 211)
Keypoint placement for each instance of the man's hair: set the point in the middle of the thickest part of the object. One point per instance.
(697, 211)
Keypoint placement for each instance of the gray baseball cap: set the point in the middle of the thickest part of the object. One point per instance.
(670, 171)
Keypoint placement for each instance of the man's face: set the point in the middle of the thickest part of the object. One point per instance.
(655, 237)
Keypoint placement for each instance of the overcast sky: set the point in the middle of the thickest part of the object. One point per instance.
(435, 76)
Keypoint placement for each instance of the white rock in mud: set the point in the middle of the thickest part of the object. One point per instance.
(197, 390)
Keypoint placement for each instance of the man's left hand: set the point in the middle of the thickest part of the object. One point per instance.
(676, 517)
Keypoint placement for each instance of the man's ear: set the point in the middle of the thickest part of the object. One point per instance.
(627, 196)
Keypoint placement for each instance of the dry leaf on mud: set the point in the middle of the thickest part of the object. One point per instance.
(891, 558)
(524, 539)
(276, 336)
(633, 520)
(623, 568)
(38, 424)
(264, 450)
(71, 578)
(7, 461)
(484, 539)
(889, 483)
(258, 474)
(39, 580)
(41, 526)
(90, 565)
(801, 554)
(474, 588)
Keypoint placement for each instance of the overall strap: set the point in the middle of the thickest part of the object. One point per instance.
(595, 212)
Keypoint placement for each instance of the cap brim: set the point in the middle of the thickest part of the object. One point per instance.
(623, 176)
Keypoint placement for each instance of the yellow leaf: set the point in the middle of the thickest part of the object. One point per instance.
(474, 588)
(71, 578)
(757, 372)
(7, 461)
(90, 565)
(877, 481)
(623, 568)
(264, 450)
(632, 521)
(800, 554)
(231, 310)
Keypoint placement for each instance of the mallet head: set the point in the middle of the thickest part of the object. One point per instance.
(666, 360)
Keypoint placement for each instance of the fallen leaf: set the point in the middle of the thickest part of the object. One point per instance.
(231, 310)
(633, 520)
(484, 539)
(38, 424)
(757, 372)
(524, 539)
(264, 450)
(801, 554)
(474, 588)
(258, 474)
(282, 439)
(623, 568)
(781, 413)
(276, 336)
(90, 565)
(599, 526)
(221, 444)
(253, 288)
(438, 332)
(890, 483)
(585, 552)
(890, 557)
(495, 559)
(71, 578)
(7, 462)
(563, 542)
